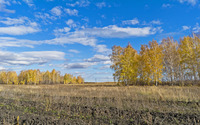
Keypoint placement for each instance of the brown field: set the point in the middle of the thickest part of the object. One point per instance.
(102, 103)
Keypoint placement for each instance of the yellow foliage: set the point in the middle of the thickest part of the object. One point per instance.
(80, 79)
(67, 78)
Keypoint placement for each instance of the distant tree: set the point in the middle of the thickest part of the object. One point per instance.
(38, 77)
(171, 60)
(62, 79)
(125, 64)
(129, 62)
(47, 77)
(8, 77)
(67, 78)
(80, 79)
(22, 78)
(117, 52)
(74, 80)
(58, 77)
(129, 66)
(190, 57)
(12, 77)
(3, 77)
(53, 76)
(144, 68)
(156, 59)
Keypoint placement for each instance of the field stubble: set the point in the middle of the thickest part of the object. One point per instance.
(99, 104)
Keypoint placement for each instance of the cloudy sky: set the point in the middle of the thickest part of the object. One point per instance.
(76, 36)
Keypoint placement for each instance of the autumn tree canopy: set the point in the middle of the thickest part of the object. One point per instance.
(36, 77)
(169, 62)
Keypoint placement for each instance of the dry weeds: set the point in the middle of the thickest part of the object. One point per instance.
(104, 97)
(121, 97)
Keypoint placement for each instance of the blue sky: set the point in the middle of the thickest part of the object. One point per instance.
(77, 36)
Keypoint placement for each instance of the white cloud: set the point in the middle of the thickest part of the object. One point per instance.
(80, 3)
(86, 41)
(13, 42)
(107, 62)
(95, 60)
(192, 2)
(28, 58)
(18, 26)
(71, 23)
(56, 11)
(2, 68)
(87, 36)
(102, 49)
(3, 8)
(80, 38)
(83, 40)
(29, 2)
(61, 31)
(156, 22)
(80, 65)
(66, 29)
(73, 51)
(105, 67)
(16, 2)
(33, 24)
(4, 2)
(98, 58)
(153, 22)
(69, 39)
(14, 21)
(130, 22)
(85, 19)
(166, 5)
(196, 29)
(45, 17)
(47, 55)
(186, 27)
(18, 21)
(101, 4)
(18, 30)
(6, 10)
(71, 12)
(114, 31)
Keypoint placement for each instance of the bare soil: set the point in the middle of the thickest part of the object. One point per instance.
(31, 109)
(31, 112)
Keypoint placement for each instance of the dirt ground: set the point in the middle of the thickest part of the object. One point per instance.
(30, 108)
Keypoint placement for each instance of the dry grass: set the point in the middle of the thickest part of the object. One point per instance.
(105, 102)
(165, 93)
(162, 98)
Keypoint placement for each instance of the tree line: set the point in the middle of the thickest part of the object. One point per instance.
(170, 62)
(37, 77)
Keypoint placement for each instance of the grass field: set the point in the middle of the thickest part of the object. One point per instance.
(102, 103)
